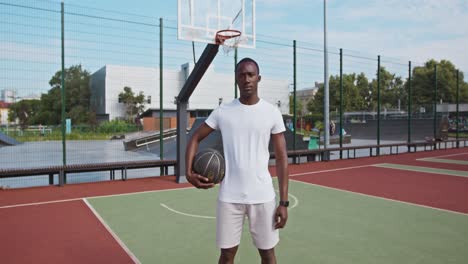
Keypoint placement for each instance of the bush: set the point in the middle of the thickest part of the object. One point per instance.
(116, 126)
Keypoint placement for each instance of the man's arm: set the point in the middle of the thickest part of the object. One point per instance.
(279, 144)
(196, 180)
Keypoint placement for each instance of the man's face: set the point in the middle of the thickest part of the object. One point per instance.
(247, 79)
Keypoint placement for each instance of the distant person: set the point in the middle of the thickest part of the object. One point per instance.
(332, 128)
(246, 124)
(41, 130)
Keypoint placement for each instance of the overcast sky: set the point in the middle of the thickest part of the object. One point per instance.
(410, 30)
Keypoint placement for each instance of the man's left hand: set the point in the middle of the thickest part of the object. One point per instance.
(281, 216)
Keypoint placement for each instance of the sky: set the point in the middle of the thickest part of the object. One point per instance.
(398, 30)
(414, 30)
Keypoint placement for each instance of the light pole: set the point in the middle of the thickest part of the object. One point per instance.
(326, 88)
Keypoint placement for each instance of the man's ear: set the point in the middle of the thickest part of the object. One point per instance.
(259, 78)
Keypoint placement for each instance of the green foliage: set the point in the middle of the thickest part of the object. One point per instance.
(360, 94)
(299, 106)
(116, 126)
(24, 111)
(134, 103)
(48, 110)
(424, 83)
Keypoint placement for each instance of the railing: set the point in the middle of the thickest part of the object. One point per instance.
(374, 150)
(62, 171)
(310, 155)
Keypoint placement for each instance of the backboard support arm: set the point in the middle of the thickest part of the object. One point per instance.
(207, 57)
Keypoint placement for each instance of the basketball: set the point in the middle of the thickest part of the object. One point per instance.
(210, 163)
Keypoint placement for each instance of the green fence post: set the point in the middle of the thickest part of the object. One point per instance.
(435, 106)
(458, 109)
(341, 103)
(161, 124)
(64, 148)
(409, 102)
(294, 98)
(378, 106)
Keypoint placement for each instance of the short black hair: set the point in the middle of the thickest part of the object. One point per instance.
(248, 60)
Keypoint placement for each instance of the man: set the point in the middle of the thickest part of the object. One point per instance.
(247, 124)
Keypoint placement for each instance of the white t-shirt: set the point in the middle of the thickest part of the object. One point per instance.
(246, 131)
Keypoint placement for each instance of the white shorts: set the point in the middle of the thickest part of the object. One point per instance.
(230, 220)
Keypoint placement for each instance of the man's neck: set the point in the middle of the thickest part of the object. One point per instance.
(251, 100)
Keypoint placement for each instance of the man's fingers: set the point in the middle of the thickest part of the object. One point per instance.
(203, 182)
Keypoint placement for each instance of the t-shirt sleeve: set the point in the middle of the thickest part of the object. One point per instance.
(278, 125)
(212, 120)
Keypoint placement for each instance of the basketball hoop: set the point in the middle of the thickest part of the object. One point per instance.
(229, 38)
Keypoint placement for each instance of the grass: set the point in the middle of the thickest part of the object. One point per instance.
(57, 135)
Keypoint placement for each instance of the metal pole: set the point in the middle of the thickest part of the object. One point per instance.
(378, 105)
(409, 102)
(458, 109)
(64, 145)
(294, 96)
(435, 104)
(235, 64)
(341, 103)
(193, 51)
(161, 124)
(326, 101)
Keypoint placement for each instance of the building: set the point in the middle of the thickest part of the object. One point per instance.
(213, 89)
(4, 107)
(303, 96)
(8, 95)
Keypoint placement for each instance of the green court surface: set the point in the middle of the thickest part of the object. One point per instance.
(325, 226)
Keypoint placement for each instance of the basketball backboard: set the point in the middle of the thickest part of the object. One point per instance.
(200, 20)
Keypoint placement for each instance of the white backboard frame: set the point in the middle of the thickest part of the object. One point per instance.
(199, 20)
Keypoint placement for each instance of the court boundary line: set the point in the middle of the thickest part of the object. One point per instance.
(443, 156)
(171, 189)
(330, 170)
(414, 168)
(111, 232)
(294, 205)
(90, 197)
(383, 198)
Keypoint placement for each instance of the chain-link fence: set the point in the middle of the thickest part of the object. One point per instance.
(81, 85)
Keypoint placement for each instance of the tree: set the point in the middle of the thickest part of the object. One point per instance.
(24, 111)
(424, 84)
(77, 98)
(134, 104)
(392, 91)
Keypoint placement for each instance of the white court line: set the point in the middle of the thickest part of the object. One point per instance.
(448, 155)
(40, 203)
(91, 197)
(295, 204)
(173, 189)
(182, 213)
(117, 239)
(383, 198)
(339, 169)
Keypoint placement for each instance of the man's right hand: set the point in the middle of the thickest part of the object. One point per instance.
(199, 181)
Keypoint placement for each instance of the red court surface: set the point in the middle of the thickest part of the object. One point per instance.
(74, 191)
(56, 233)
(64, 230)
(440, 191)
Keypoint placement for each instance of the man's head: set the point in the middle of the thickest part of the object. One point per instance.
(247, 77)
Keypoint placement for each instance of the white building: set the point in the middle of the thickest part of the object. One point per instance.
(109, 81)
(8, 95)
